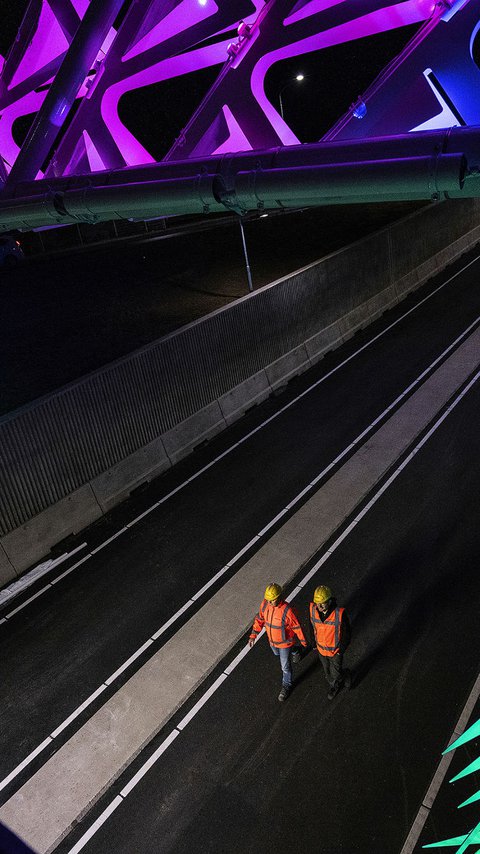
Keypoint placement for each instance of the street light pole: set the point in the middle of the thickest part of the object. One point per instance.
(297, 79)
(247, 265)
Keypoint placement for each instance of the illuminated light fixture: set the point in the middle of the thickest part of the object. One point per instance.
(244, 30)
(297, 79)
(233, 48)
(359, 109)
(202, 2)
(262, 216)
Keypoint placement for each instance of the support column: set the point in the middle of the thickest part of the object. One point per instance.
(80, 57)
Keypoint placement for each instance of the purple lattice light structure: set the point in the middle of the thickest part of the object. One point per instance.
(432, 85)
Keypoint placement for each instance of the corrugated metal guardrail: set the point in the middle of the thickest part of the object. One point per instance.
(137, 416)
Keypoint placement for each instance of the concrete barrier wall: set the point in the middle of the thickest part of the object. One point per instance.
(72, 456)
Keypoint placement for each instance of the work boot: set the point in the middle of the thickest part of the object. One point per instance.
(347, 679)
(333, 691)
(283, 693)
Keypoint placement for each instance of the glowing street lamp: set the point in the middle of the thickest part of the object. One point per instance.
(297, 79)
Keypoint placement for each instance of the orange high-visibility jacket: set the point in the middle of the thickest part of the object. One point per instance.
(281, 624)
(327, 632)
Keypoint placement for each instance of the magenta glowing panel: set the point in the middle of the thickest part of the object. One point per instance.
(163, 45)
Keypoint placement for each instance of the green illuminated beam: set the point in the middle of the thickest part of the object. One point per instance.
(447, 843)
(471, 732)
(474, 766)
(464, 841)
(475, 797)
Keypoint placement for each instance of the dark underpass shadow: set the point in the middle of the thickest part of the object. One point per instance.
(393, 602)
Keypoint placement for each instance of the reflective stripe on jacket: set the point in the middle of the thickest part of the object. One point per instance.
(281, 625)
(327, 632)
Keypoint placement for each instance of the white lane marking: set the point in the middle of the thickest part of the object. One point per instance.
(18, 586)
(245, 650)
(172, 620)
(201, 702)
(239, 554)
(68, 571)
(110, 540)
(97, 825)
(268, 420)
(440, 773)
(78, 710)
(47, 586)
(25, 762)
(129, 661)
(146, 767)
(27, 601)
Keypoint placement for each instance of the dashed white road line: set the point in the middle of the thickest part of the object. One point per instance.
(229, 450)
(21, 584)
(255, 540)
(301, 584)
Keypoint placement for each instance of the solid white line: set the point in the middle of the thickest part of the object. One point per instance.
(146, 767)
(21, 584)
(27, 601)
(228, 670)
(241, 655)
(68, 571)
(29, 758)
(201, 702)
(270, 419)
(110, 540)
(440, 774)
(242, 551)
(175, 617)
(96, 825)
(128, 662)
(78, 710)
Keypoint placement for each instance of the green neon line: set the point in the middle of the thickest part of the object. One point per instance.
(474, 766)
(472, 732)
(475, 797)
(457, 840)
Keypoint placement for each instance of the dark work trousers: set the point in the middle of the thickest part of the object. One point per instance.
(332, 667)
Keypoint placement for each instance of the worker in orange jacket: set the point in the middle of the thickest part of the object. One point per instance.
(283, 631)
(331, 634)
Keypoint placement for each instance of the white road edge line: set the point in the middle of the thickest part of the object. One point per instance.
(254, 431)
(440, 774)
(239, 554)
(245, 650)
(20, 584)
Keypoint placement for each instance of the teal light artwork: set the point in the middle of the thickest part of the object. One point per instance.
(473, 837)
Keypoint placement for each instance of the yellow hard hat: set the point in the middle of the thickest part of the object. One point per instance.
(322, 594)
(273, 591)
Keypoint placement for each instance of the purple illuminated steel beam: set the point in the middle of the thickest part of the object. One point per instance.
(24, 36)
(83, 50)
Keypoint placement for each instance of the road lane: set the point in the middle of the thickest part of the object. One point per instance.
(88, 625)
(348, 776)
(47, 805)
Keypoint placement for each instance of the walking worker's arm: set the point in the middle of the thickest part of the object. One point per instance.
(257, 627)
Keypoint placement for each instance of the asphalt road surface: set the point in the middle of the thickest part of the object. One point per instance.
(248, 774)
